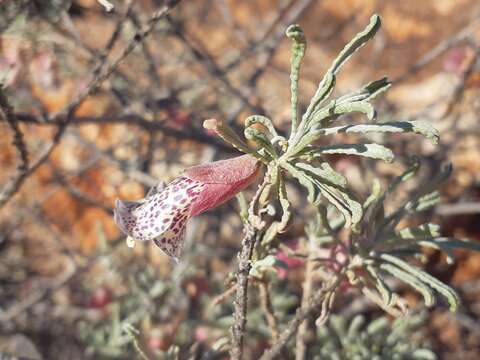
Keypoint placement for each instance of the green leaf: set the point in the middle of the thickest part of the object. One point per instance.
(263, 120)
(382, 287)
(422, 231)
(458, 244)
(427, 201)
(367, 92)
(299, 46)
(356, 43)
(423, 354)
(423, 197)
(306, 181)
(325, 172)
(325, 115)
(374, 151)
(418, 127)
(261, 139)
(448, 245)
(434, 283)
(340, 198)
(411, 280)
(375, 194)
(260, 266)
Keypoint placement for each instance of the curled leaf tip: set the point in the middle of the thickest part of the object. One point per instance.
(295, 32)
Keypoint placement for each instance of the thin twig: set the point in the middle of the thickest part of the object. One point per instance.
(213, 69)
(443, 46)
(240, 303)
(461, 208)
(189, 133)
(300, 347)
(244, 266)
(267, 307)
(223, 296)
(18, 141)
(303, 313)
(64, 117)
(459, 90)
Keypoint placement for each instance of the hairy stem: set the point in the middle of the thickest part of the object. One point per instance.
(251, 230)
(240, 303)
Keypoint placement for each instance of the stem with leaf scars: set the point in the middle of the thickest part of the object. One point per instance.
(251, 229)
(240, 303)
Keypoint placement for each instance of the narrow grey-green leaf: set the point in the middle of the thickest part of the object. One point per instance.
(299, 46)
(381, 286)
(374, 151)
(418, 127)
(304, 180)
(411, 280)
(261, 139)
(263, 120)
(343, 201)
(325, 115)
(367, 92)
(324, 90)
(445, 290)
(356, 43)
(375, 194)
(326, 172)
(424, 230)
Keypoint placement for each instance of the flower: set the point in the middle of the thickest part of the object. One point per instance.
(162, 216)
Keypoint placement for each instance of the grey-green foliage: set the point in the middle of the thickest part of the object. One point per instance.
(384, 248)
(113, 338)
(291, 155)
(376, 248)
(379, 339)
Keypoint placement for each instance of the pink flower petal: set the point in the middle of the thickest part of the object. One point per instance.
(229, 171)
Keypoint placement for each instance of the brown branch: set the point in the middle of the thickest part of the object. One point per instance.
(443, 46)
(240, 303)
(133, 119)
(214, 71)
(251, 229)
(459, 90)
(64, 117)
(18, 141)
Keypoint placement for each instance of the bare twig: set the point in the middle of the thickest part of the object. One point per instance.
(64, 117)
(8, 113)
(213, 69)
(223, 296)
(314, 303)
(133, 119)
(244, 266)
(446, 44)
(266, 303)
(462, 208)
(240, 303)
(300, 347)
(459, 90)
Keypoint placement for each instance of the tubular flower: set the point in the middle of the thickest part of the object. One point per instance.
(163, 214)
